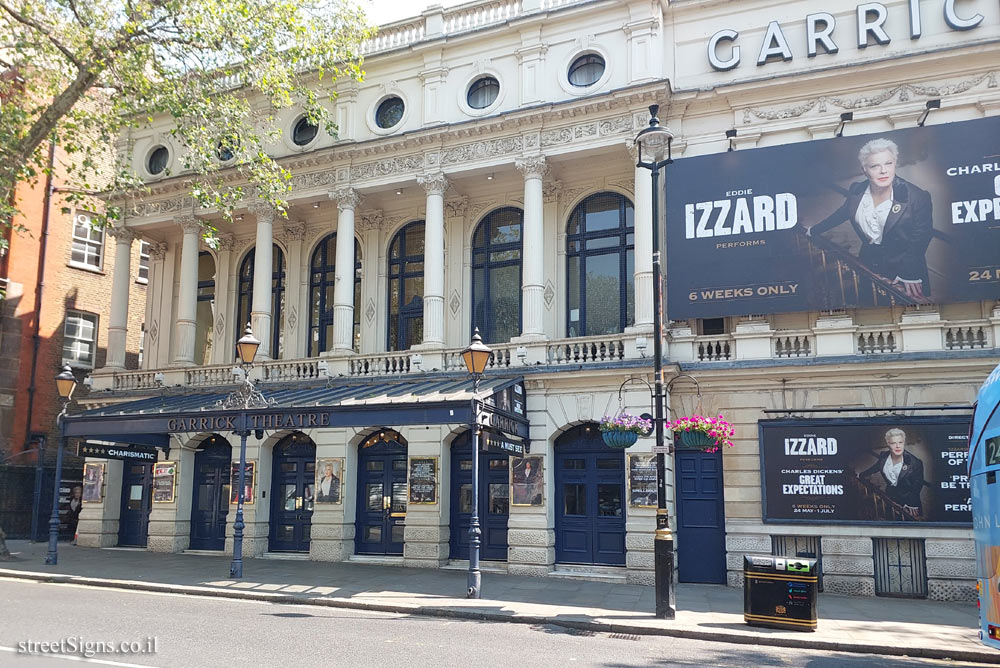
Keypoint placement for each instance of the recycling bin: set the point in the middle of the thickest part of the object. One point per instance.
(780, 592)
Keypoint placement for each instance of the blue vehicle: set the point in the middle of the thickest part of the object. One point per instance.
(984, 464)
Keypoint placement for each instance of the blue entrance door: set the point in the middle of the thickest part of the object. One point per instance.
(381, 515)
(589, 499)
(210, 504)
(293, 476)
(137, 484)
(701, 517)
(494, 501)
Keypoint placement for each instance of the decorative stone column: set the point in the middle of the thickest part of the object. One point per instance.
(434, 185)
(343, 291)
(118, 320)
(260, 309)
(456, 334)
(293, 234)
(222, 353)
(533, 238)
(643, 275)
(159, 292)
(187, 299)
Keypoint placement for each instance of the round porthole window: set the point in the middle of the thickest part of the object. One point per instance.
(225, 151)
(304, 132)
(157, 161)
(586, 70)
(483, 92)
(389, 112)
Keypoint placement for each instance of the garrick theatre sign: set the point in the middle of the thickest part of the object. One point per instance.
(440, 400)
(871, 23)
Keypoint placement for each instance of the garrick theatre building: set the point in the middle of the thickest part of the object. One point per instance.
(484, 176)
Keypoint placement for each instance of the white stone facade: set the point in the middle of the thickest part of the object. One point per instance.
(543, 146)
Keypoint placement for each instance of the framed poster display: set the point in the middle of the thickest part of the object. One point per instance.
(526, 481)
(642, 480)
(330, 480)
(164, 481)
(250, 481)
(93, 482)
(423, 480)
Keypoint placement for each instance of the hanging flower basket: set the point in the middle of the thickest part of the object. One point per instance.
(623, 430)
(705, 433)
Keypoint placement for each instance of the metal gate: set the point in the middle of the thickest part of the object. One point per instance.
(900, 567)
(808, 547)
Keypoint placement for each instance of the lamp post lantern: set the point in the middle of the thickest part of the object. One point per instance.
(654, 141)
(243, 399)
(476, 356)
(65, 384)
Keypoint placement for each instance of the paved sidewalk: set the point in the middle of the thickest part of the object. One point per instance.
(865, 625)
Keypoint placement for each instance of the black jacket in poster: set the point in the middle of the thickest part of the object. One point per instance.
(909, 484)
(905, 237)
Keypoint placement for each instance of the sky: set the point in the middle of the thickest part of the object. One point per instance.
(381, 12)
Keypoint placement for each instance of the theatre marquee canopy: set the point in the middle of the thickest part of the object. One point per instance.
(150, 421)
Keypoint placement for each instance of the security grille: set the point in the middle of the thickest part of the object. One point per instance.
(807, 547)
(900, 567)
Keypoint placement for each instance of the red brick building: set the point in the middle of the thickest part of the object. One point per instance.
(58, 278)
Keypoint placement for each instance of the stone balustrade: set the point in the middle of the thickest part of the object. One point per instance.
(754, 339)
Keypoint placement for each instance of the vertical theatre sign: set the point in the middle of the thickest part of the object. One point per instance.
(797, 227)
(879, 471)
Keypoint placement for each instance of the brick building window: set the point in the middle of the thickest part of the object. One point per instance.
(88, 242)
(143, 276)
(79, 339)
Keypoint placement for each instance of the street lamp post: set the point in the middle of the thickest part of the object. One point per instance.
(655, 139)
(65, 384)
(243, 399)
(476, 356)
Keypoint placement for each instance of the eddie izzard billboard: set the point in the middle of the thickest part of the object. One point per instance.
(900, 217)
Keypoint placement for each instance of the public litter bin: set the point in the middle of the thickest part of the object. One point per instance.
(780, 592)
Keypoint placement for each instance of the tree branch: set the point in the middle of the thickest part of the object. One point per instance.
(24, 20)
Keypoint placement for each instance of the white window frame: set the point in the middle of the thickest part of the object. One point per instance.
(75, 318)
(144, 248)
(87, 243)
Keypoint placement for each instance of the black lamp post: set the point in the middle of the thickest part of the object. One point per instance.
(476, 356)
(65, 384)
(654, 141)
(245, 398)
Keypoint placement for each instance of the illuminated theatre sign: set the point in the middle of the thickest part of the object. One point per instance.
(871, 19)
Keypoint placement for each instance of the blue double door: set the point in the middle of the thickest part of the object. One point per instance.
(137, 488)
(494, 501)
(701, 517)
(210, 505)
(590, 499)
(293, 479)
(381, 516)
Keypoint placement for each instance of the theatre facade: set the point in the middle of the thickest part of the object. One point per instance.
(484, 176)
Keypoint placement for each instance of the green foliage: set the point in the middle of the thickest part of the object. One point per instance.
(88, 75)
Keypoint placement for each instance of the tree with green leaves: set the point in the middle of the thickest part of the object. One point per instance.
(85, 75)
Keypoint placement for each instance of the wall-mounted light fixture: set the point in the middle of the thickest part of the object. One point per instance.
(931, 104)
(844, 118)
(731, 136)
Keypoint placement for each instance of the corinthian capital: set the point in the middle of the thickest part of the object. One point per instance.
(346, 198)
(434, 184)
(262, 210)
(224, 242)
(157, 250)
(190, 224)
(533, 167)
(122, 234)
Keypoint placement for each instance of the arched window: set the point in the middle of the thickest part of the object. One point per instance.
(322, 279)
(406, 287)
(496, 275)
(600, 262)
(245, 299)
(205, 320)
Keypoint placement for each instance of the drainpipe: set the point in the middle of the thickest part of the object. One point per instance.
(36, 339)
